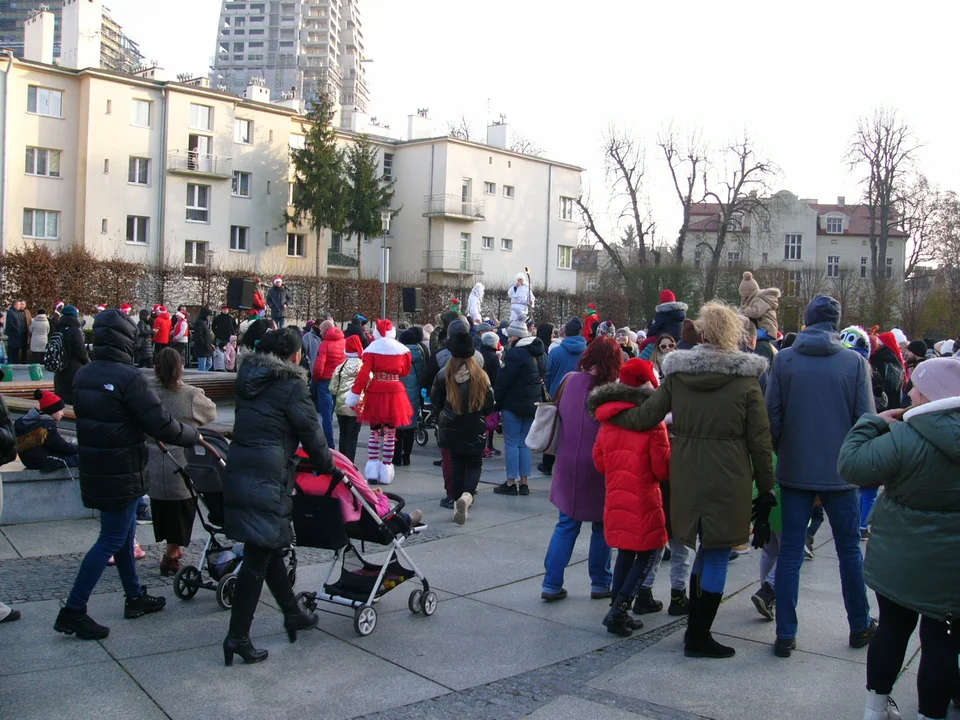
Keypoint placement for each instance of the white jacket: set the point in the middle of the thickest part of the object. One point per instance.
(521, 295)
(474, 302)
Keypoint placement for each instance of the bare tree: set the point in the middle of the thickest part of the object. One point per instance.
(525, 146)
(847, 287)
(589, 225)
(919, 207)
(625, 170)
(687, 161)
(461, 128)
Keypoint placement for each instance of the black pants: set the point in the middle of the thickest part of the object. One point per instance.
(938, 656)
(404, 445)
(465, 475)
(259, 564)
(349, 434)
(629, 572)
(548, 461)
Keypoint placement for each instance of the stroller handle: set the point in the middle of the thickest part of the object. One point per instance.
(202, 443)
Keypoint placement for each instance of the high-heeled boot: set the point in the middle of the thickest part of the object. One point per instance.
(298, 620)
(244, 648)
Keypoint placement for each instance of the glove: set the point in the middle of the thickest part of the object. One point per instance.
(762, 505)
(761, 535)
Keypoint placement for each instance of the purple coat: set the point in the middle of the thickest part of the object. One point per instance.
(577, 489)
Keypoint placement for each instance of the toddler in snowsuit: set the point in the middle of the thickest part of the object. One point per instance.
(39, 443)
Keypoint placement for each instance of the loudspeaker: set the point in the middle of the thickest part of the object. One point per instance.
(240, 293)
(412, 300)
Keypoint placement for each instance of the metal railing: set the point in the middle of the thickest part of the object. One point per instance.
(453, 261)
(187, 161)
(338, 258)
(453, 206)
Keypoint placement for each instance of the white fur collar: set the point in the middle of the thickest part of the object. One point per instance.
(710, 359)
(671, 306)
(949, 403)
(386, 346)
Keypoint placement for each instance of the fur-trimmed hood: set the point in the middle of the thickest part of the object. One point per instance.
(259, 370)
(710, 360)
(614, 398)
(671, 307)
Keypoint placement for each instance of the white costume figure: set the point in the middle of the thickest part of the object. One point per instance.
(521, 298)
(474, 302)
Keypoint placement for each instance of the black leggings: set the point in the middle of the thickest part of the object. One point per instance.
(259, 564)
(349, 434)
(465, 475)
(404, 445)
(938, 656)
(630, 571)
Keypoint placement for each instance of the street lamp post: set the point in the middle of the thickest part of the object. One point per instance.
(385, 217)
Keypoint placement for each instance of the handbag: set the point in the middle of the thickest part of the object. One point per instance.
(492, 421)
(545, 430)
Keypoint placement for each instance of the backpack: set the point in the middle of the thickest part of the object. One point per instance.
(55, 354)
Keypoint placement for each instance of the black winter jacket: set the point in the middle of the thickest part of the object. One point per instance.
(277, 300)
(518, 388)
(274, 415)
(144, 337)
(464, 433)
(75, 351)
(116, 410)
(40, 444)
(224, 327)
(202, 335)
(356, 329)
(885, 362)
(491, 362)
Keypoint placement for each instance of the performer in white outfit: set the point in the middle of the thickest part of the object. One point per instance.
(521, 298)
(474, 302)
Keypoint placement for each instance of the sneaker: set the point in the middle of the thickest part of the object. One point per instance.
(11, 616)
(506, 489)
(76, 622)
(862, 639)
(645, 604)
(784, 648)
(143, 605)
(764, 600)
(487, 453)
(143, 515)
(447, 503)
(437, 463)
(551, 597)
(601, 595)
(138, 552)
(524, 489)
(738, 551)
(679, 603)
(543, 469)
(461, 508)
(808, 549)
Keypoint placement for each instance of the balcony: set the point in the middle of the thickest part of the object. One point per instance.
(453, 207)
(452, 262)
(340, 259)
(185, 162)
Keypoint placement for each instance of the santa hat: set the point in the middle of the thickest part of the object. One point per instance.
(59, 306)
(667, 296)
(156, 309)
(277, 280)
(890, 340)
(101, 307)
(181, 315)
(354, 345)
(225, 307)
(162, 309)
(126, 308)
(637, 373)
(384, 329)
(50, 403)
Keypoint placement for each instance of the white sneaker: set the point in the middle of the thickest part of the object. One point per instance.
(461, 506)
(880, 707)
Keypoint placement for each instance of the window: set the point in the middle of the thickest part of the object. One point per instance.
(564, 257)
(243, 131)
(388, 167)
(792, 246)
(736, 223)
(44, 101)
(864, 264)
(194, 252)
(489, 188)
(241, 184)
(889, 268)
(833, 266)
(109, 106)
(140, 113)
(834, 225)
(137, 229)
(42, 224)
(486, 243)
(293, 194)
(103, 226)
(270, 137)
(764, 258)
(697, 258)
(201, 117)
(198, 203)
(296, 245)
(40, 161)
(506, 244)
(566, 208)
(239, 238)
(508, 191)
(106, 166)
(593, 284)
(138, 172)
(268, 187)
(238, 46)
(733, 258)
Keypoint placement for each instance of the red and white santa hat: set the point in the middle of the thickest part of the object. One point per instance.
(384, 329)
(278, 279)
(60, 305)
(101, 307)
(181, 315)
(126, 308)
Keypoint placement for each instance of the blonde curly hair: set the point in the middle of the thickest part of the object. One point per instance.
(720, 325)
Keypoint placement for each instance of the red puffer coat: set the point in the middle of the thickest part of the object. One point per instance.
(634, 464)
(330, 354)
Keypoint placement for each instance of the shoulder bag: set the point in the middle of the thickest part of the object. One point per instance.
(546, 424)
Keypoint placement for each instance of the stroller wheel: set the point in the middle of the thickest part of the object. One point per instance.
(307, 601)
(186, 582)
(430, 603)
(292, 576)
(415, 603)
(365, 620)
(225, 590)
(422, 437)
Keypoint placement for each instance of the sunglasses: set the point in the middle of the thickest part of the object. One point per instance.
(667, 346)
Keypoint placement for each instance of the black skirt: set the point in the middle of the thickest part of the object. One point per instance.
(173, 520)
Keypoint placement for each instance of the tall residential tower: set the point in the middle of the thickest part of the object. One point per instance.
(304, 47)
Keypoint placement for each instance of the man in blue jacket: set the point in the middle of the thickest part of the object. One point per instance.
(816, 392)
(563, 359)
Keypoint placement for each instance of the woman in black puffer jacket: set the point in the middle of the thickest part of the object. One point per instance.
(274, 415)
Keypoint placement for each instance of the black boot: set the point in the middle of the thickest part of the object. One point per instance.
(143, 605)
(77, 622)
(645, 604)
(298, 620)
(617, 619)
(679, 605)
(698, 641)
(244, 648)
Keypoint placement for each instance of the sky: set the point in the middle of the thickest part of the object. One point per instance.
(795, 76)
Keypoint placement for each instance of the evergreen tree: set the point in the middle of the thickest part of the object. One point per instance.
(368, 193)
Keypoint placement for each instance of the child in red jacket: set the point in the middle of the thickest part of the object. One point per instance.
(634, 463)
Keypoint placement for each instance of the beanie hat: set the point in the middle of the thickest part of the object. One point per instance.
(490, 339)
(938, 378)
(667, 296)
(637, 373)
(458, 326)
(855, 338)
(484, 327)
(689, 334)
(591, 310)
(606, 328)
(353, 345)
(518, 329)
(948, 347)
(822, 309)
(71, 311)
(461, 345)
(748, 286)
(51, 403)
(899, 336)
(918, 348)
(574, 327)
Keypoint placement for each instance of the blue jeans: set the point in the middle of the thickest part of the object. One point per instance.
(561, 549)
(843, 509)
(117, 532)
(868, 498)
(711, 567)
(204, 364)
(325, 410)
(515, 429)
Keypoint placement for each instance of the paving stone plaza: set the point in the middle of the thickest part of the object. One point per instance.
(493, 649)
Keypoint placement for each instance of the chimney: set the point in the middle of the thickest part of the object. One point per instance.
(38, 38)
(257, 90)
(80, 33)
(841, 201)
(419, 126)
(499, 134)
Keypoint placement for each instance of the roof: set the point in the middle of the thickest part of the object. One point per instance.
(704, 217)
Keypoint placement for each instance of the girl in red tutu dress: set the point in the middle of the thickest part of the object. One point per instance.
(385, 406)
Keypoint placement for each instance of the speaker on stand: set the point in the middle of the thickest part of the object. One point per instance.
(412, 300)
(240, 293)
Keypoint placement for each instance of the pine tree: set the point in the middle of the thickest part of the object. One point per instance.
(369, 193)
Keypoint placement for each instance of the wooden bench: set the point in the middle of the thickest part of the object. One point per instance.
(217, 386)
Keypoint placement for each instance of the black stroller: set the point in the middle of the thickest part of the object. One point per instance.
(318, 523)
(203, 474)
(425, 420)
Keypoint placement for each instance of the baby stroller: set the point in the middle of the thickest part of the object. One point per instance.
(425, 420)
(318, 522)
(203, 474)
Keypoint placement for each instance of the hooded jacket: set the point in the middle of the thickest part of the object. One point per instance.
(144, 337)
(39, 442)
(311, 344)
(341, 382)
(816, 392)
(161, 330)
(464, 433)
(890, 370)
(918, 463)
(762, 307)
(116, 411)
(329, 355)
(274, 414)
(518, 387)
(203, 335)
(475, 302)
(668, 318)
(75, 353)
(39, 333)
(411, 381)
(633, 463)
(562, 360)
(721, 442)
